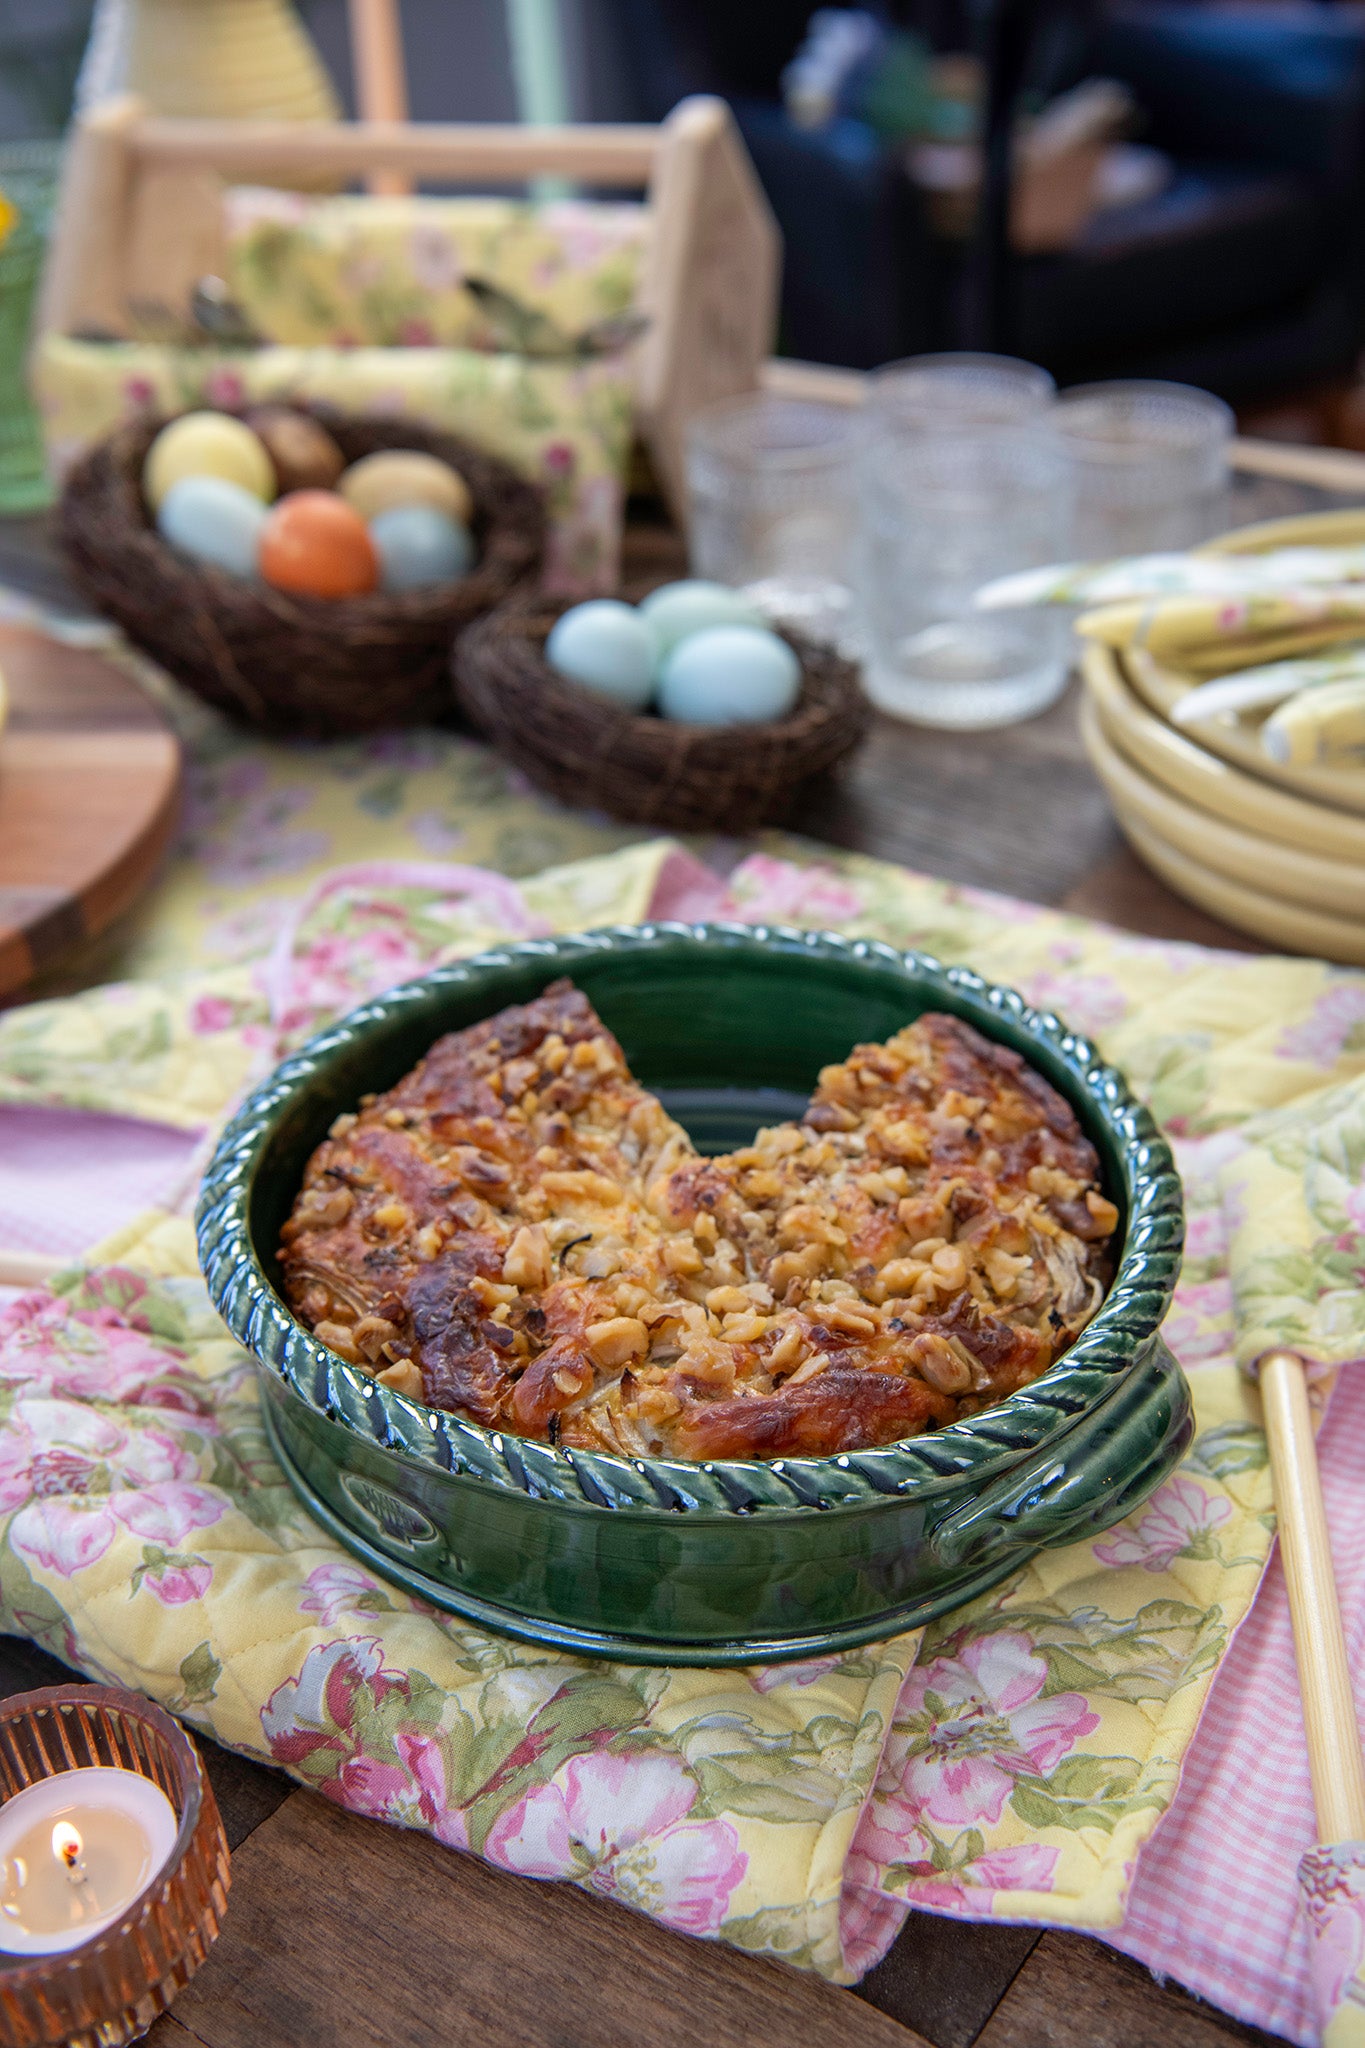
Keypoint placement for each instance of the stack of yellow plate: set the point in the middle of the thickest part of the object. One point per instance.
(1277, 852)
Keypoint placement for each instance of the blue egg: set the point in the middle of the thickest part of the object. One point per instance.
(676, 609)
(607, 647)
(729, 675)
(214, 521)
(418, 545)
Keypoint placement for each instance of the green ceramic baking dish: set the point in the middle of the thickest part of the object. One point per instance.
(661, 1561)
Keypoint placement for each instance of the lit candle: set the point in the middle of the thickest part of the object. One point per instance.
(75, 1851)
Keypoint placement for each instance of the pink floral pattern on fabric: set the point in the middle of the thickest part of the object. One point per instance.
(1178, 1521)
(1332, 1898)
(1335, 1025)
(969, 1725)
(71, 1474)
(620, 1821)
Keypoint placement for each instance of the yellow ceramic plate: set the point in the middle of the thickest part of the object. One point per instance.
(1162, 688)
(1288, 925)
(1302, 879)
(1176, 761)
(1237, 740)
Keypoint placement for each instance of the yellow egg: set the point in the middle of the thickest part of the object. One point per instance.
(402, 476)
(207, 444)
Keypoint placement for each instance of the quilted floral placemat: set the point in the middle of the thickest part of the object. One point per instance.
(1010, 1763)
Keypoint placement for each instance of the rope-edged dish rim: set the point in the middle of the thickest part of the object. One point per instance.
(973, 1449)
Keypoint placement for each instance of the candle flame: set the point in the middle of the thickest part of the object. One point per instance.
(67, 1846)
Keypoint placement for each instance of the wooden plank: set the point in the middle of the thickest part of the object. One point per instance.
(1076, 1993)
(341, 1930)
(1018, 809)
(946, 1977)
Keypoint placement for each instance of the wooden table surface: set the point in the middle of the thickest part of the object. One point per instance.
(344, 1931)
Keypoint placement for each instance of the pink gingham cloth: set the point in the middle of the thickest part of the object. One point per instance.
(1215, 1903)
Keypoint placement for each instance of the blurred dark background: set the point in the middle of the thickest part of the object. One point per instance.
(1242, 269)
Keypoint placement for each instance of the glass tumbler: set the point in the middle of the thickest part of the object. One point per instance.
(1149, 466)
(944, 507)
(961, 388)
(770, 483)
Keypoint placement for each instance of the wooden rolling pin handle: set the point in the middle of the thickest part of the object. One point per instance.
(26, 1269)
(1330, 1727)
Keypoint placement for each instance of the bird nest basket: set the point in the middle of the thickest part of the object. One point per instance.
(295, 665)
(588, 751)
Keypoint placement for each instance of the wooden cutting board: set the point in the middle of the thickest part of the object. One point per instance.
(89, 777)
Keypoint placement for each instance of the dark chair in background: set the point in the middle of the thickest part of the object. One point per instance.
(1245, 274)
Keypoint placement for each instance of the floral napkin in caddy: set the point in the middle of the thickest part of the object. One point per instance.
(362, 303)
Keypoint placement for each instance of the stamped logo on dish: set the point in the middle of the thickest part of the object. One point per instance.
(397, 1520)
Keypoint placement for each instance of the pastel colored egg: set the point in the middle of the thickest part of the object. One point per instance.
(608, 648)
(404, 476)
(729, 675)
(314, 544)
(418, 545)
(207, 444)
(676, 609)
(302, 453)
(214, 521)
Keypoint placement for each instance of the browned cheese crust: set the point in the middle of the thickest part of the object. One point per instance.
(519, 1233)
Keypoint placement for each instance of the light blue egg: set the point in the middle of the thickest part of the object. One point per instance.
(676, 609)
(729, 675)
(418, 545)
(607, 647)
(214, 521)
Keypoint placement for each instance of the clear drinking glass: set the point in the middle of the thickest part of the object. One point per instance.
(1149, 466)
(959, 389)
(943, 508)
(770, 480)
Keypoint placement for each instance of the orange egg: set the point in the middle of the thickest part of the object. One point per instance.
(313, 544)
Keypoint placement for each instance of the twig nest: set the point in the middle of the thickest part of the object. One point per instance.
(589, 749)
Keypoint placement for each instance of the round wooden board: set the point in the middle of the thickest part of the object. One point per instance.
(89, 776)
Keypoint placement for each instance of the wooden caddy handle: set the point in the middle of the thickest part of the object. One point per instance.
(1329, 1713)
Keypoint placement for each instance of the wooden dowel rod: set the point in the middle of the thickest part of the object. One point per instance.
(601, 155)
(1329, 1715)
(26, 1269)
(381, 86)
(1331, 469)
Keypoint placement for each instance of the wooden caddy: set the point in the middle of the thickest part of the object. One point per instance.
(140, 216)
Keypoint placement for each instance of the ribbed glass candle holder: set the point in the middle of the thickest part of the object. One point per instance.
(111, 1988)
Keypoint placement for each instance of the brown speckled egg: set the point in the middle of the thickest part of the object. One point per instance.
(313, 544)
(305, 456)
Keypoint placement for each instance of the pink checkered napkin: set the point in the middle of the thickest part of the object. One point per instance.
(1215, 1903)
